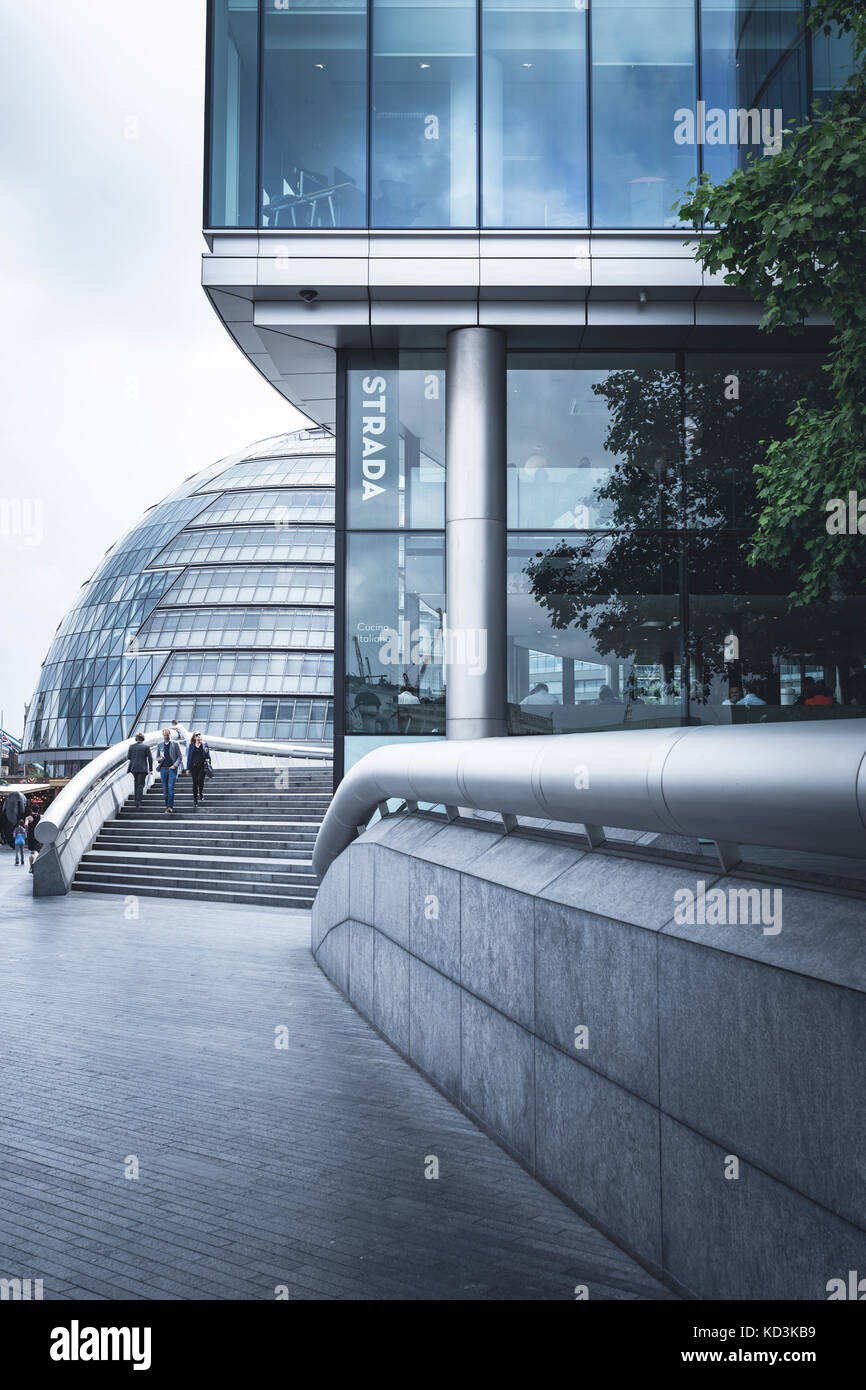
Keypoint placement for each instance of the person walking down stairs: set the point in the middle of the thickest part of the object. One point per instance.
(139, 763)
(198, 765)
(169, 761)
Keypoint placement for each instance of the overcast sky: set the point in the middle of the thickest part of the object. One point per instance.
(117, 379)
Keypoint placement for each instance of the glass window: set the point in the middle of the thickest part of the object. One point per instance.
(423, 134)
(592, 442)
(279, 719)
(276, 507)
(395, 597)
(534, 113)
(753, 74)
(233, 114)
(643, 73)
(237, 627)
(395, 447)
(224, 545)
(312, 472)
(594, 633)
(735, 403)
(254, 584)
(314, 114)
(833, 62)
(755, 659)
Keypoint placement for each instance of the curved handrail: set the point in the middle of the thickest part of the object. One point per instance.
(789, 786)
(65, 808)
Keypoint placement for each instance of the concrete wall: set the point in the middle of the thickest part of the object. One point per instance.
(478, 955)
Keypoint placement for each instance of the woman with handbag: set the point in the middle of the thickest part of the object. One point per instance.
(198, 765)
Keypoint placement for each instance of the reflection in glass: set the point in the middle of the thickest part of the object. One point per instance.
(754, 658)
(300, 673)
(233, 114)
(594, 633)
(237, 627)
(276, 507)
(734, 404)
(753, 57)
(832, 62)
(314, 115)
(534, 105)
(423, 133)
(395, 599)
(254, 584)
(593, 445)
(257, 718)
(220, 544)
(643, 72)
(395, 448)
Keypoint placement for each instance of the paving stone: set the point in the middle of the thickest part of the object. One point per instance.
(154, 1036)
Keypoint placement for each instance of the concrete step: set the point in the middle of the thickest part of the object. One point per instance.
(143, 889)
(182, 832)
(164, 873)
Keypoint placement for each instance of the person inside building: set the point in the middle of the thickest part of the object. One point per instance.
(539, 695)
(820, 696)
(197, 765)
(607, 697)
(855, 686)
(139, 763)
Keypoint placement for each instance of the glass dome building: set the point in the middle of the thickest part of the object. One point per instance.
(215, 609)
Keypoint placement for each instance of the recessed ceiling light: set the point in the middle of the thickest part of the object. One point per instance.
(320, 65)
(423, 65)
(528, 65)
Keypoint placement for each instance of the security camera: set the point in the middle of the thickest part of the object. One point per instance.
(308, 295)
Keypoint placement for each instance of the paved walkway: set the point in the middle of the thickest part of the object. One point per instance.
(151, 1039)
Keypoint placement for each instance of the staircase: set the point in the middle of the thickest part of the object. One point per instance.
(250, 842)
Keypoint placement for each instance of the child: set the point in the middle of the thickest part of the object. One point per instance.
(20, 842)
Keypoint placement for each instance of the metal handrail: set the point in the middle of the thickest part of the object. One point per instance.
(65, 809)
(785, 786)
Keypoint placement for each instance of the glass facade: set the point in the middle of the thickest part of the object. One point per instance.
(495, 113)
(630, 601)
(217, 565)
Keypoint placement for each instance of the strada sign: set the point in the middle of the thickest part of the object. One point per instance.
(373, 449)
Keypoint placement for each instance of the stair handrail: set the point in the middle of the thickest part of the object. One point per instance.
(785, 786)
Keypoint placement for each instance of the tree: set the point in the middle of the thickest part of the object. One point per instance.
(792, 235)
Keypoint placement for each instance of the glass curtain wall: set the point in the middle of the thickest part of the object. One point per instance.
(657, 89)
(630, 596)
(394, 673)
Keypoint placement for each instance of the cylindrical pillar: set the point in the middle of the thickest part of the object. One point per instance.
(475, 533)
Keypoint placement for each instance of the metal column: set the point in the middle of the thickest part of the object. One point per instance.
(475, 533)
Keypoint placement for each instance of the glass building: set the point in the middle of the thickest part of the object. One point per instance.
(216, 609)
(447, 232)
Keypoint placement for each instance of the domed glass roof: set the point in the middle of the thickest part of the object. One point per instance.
(215, 609)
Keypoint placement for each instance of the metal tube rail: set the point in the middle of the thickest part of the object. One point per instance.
(787, 786)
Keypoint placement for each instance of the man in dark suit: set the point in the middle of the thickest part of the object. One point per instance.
(140, 764)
